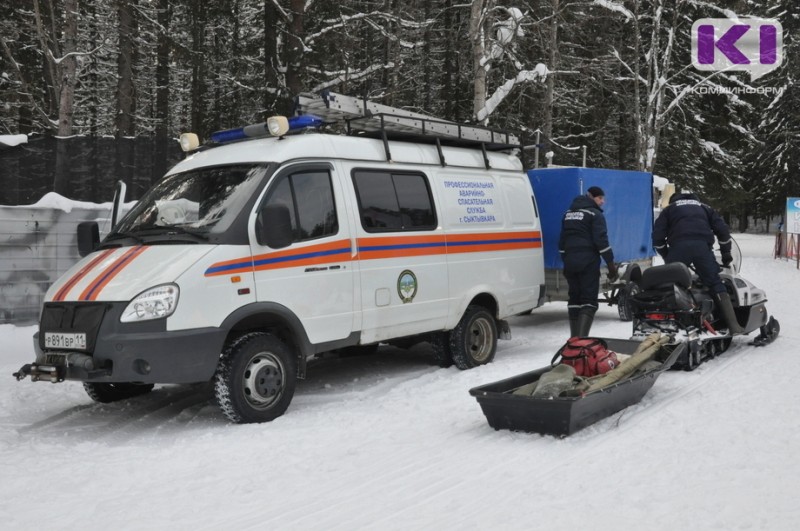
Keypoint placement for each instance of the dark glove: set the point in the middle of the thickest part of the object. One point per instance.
(726, 259)
(613, 272)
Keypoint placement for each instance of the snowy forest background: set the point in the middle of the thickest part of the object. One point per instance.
(612, 75)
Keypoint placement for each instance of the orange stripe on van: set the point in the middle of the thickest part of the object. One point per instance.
(85, 270)
(324, 253)
(379, 247)
(93, 290)
(401, 246)
(476, 243)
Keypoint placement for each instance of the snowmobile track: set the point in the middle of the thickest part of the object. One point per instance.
(698, 378)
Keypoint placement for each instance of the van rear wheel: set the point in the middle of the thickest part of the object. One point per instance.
(255, 379)
(473, 341)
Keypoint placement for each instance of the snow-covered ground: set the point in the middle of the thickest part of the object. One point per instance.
(391, 442)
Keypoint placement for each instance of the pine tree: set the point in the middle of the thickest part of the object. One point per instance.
(777, 165)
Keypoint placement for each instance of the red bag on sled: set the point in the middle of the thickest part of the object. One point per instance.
(589, 356)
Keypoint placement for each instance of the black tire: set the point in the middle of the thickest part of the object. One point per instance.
(255, 379)
(473, 341)
(626, 293)
(442, 356)
(113, 392)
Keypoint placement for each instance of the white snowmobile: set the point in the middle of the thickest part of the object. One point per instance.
(672, 300)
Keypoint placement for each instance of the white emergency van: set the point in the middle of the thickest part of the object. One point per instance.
(269, 246)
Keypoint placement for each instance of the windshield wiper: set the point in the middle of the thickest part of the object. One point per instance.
(172, 230)
(119, 235)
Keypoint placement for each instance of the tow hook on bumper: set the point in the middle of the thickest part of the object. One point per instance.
(57, 367)
(45, 373)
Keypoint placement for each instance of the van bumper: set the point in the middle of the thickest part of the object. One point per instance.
(137, 352)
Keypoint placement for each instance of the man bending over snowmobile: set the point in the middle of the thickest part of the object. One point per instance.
(684, 232)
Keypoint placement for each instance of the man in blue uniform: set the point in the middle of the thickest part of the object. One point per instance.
(684, 232)
(584, 239)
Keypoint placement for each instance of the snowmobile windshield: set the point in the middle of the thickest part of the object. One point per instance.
(736, 254)
(192, 205)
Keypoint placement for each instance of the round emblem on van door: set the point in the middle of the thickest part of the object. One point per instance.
(407, 286)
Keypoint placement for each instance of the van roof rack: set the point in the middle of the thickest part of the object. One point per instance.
(361, 116)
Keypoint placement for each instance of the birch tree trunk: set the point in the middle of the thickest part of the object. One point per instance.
(450, 73)
(637, 102)
(126, 100)
(659, 66)
(551, 79)
(162, 89)
(199, 69)
(477, 37)
(271, 60)
(66, 68)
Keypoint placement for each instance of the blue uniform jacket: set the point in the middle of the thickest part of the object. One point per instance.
(686, 218)
(584, 235)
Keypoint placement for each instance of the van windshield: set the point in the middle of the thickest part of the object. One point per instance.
(193, 203)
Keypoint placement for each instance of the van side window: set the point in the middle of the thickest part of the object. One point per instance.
(309, 197)
(390, 201)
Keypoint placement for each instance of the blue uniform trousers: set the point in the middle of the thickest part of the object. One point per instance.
(700, 254)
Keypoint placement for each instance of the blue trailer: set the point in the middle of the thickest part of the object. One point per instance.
(629, 215)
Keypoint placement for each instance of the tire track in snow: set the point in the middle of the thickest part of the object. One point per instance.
(711, 369)
(149, 423)
(55, 420)
(120, 421)
(378, 387)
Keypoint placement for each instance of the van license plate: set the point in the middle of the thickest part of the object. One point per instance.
(64, 340)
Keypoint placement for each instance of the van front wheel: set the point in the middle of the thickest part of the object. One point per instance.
(473, 341)
(255, 379)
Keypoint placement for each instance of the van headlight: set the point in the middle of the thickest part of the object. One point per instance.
(153, 303)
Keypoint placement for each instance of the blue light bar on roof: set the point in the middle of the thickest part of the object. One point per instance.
(264, 129)
(305, 120)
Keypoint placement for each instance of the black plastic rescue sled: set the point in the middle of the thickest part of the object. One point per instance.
(563, 416)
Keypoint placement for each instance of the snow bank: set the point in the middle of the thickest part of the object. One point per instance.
(13, 140)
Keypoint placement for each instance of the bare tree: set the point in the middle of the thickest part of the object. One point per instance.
(490, 49)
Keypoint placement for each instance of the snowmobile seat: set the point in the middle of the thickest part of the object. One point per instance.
(663, 277)
(664, 288)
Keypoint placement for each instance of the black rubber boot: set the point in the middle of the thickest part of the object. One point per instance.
(585, 319)
(725, 306)
(573, 321)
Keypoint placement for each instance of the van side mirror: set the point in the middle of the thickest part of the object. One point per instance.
(274, 226)
(88, 237)
(118, 202)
